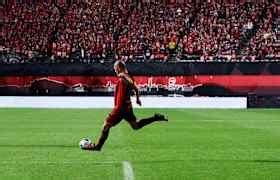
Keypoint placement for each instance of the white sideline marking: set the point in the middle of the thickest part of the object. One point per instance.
(127, 171)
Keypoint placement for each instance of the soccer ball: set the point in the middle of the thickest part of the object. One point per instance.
(85, 143)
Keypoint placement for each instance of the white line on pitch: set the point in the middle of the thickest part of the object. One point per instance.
(127, 171)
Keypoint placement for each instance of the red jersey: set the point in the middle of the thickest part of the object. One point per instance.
(122, 94)
(123, 107)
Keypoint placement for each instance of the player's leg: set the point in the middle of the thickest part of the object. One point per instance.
(138, 124)
(112, 120)
(103, 137)
(146, 121)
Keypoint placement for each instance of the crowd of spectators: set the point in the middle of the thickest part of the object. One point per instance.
(265, 42)
(26, 28)
(144, 30)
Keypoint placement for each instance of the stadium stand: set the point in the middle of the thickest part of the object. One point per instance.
(97, 31)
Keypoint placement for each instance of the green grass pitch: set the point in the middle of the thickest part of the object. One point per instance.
(195, 144)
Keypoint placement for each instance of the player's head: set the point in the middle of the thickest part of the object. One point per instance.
(120, 67)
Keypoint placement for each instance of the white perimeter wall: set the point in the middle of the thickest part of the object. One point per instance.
(107, 102)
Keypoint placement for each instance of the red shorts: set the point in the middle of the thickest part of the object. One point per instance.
(125, 113)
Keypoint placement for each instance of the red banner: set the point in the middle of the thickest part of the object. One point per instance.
(234, 83)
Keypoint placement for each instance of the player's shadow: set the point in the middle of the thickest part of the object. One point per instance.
(37, 146)
(267, 161)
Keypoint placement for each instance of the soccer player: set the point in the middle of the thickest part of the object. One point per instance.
(123, 107)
